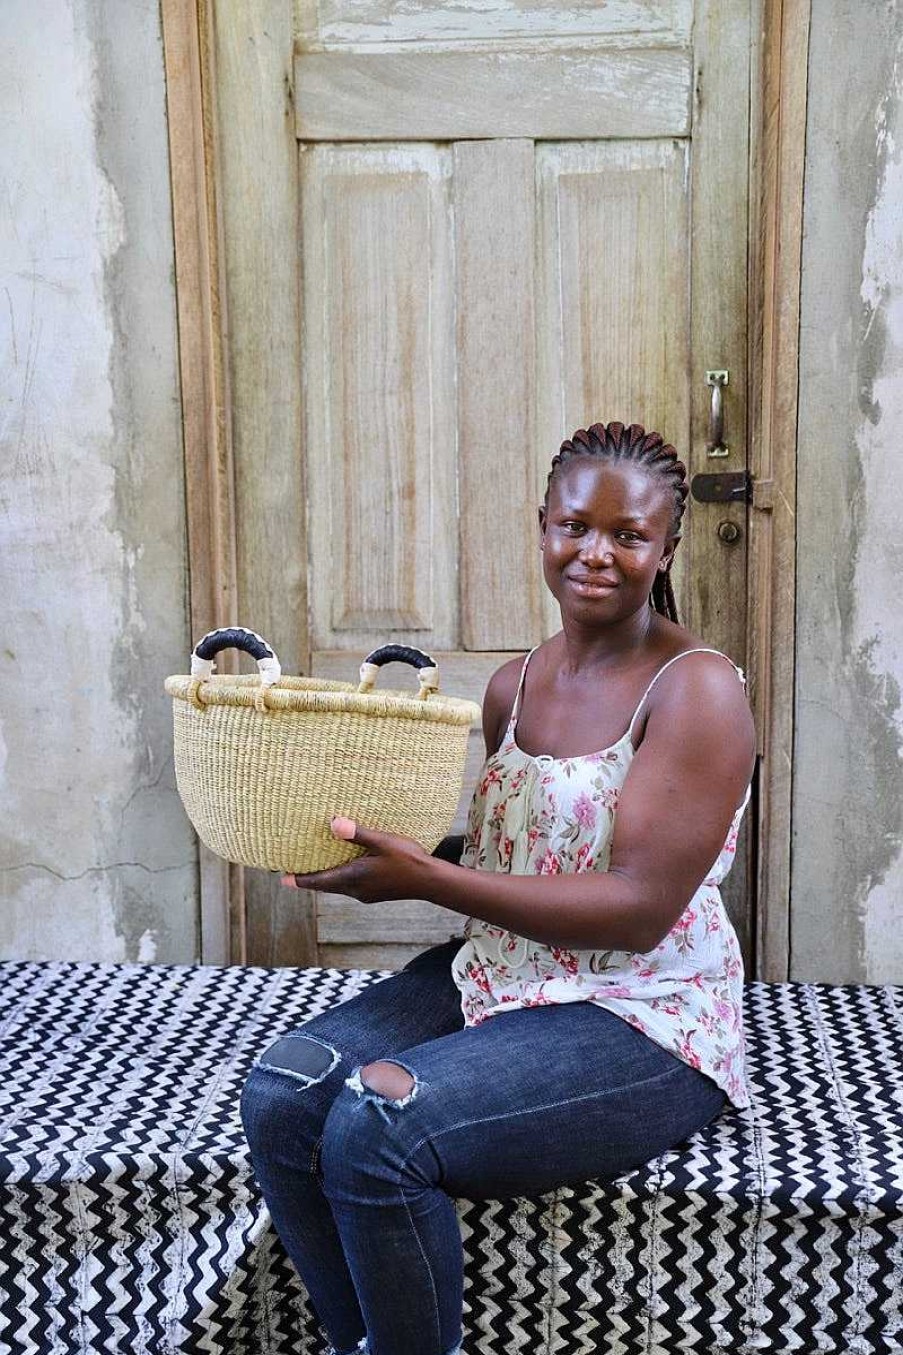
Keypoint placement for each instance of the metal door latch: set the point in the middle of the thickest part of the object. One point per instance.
(731, 486)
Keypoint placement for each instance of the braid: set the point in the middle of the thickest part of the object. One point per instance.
(620, 442)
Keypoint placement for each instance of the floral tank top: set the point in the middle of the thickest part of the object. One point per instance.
(547, 816)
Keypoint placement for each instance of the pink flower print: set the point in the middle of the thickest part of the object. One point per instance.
(497, 817)
(566, 958)
(725, 1012)
(583, 859)
(688, 1052)
(549, 864)
(477, 975)
(606, 796)
(585, 811)
(492, 777)
(605, 756)
(685, 921)
(532, 838)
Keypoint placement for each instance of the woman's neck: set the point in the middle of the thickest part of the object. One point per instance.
(586, 647)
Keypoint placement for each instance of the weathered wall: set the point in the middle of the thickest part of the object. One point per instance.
(847, 874)
(98, 860)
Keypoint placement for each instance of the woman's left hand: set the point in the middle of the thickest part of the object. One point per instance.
(391, 868)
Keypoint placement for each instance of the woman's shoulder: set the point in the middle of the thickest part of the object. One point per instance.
(501, 690)
(693, 678)
(502, 686)
(499, 698)
(672, 642)
(705, 690)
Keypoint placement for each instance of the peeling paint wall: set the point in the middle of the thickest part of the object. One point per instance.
(847, 870)
(98, 861)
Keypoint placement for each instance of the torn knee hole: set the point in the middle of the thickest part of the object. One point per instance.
(384, 1084)
(389, 1079)
(303, 1058)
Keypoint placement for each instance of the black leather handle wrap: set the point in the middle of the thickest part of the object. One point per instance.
(233, 637)
(400, 654)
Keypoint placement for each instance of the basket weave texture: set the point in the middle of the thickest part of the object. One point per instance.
(260, 784)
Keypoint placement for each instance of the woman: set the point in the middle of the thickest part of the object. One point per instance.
(591, 1017)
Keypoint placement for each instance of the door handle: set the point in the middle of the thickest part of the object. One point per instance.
(715, 445)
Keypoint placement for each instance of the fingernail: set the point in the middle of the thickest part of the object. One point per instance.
(342, 827)
(288, 880)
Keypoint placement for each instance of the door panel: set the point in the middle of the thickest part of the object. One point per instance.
(337, 24)
(378, 350)
(450, 96)
(494, 256)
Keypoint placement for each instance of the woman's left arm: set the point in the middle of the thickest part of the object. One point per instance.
(685, 783)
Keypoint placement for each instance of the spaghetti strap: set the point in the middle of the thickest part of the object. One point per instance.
(699, 650)
(515, 709)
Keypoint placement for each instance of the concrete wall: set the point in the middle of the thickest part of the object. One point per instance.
(98, 861)
(847, 873)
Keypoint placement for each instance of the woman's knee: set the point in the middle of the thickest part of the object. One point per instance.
(284, 1101)
(372, 1130)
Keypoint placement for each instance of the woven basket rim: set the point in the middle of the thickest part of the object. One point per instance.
(304, 694)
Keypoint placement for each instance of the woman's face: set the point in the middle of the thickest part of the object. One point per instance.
(605, 535)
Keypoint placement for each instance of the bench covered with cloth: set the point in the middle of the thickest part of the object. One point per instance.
(131, 1221)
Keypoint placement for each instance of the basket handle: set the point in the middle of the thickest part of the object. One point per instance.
(427, 669)
(235, 637)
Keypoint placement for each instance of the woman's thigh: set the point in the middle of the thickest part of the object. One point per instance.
(547, 1096)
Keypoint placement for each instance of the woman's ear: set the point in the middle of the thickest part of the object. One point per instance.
(667, 558)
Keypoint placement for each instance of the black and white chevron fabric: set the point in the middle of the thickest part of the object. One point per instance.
(130, 1221)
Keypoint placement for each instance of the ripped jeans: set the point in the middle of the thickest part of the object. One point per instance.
(361, 1184)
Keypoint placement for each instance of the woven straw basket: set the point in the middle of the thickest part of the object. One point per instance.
(264, 762)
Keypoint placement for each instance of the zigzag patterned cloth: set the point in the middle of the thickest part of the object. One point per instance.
(131, 1221)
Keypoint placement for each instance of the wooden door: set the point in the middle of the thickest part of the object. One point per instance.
(514, 220)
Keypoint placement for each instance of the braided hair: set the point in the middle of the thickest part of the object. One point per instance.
(619, 442)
